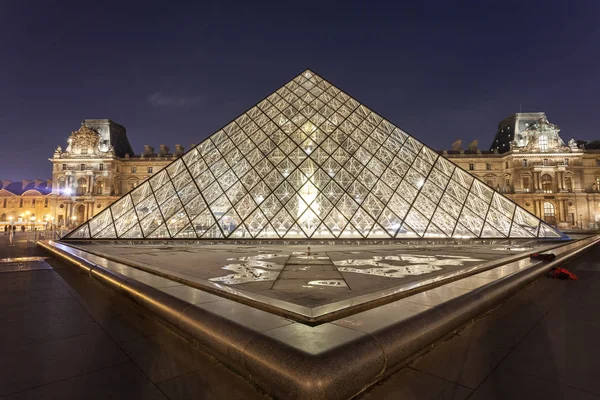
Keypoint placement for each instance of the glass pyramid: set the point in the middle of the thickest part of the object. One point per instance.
(309, 161)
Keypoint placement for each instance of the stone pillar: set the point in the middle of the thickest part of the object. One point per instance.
(560, 177)
(89, 184)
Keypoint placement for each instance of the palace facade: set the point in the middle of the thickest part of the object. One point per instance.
(527, 161)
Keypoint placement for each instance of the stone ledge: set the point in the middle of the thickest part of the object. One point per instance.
(334, 360)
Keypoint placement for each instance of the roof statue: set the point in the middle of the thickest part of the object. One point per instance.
(473, 146)
(457, 145)
(309, 161)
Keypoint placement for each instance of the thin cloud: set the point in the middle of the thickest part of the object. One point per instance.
(159, 99)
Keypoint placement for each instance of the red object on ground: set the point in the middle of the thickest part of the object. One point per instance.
(563, 273)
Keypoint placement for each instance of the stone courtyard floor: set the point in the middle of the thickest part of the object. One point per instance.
(67, 336)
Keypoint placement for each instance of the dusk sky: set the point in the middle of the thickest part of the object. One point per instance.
(175, 72)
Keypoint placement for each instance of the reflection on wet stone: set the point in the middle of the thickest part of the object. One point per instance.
(252, 269)
(395, 266)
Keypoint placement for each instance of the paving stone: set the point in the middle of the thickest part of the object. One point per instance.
(124, 382)
(562, 351)
(163, 357)
(412, 384)
(211, 381)
(33, 364)
(506, 384)
(463, 359)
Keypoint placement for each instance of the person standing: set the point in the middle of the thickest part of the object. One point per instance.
(11, 235)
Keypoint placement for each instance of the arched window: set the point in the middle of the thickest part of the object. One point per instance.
(81, 186)
(546, 183)
(3, 217)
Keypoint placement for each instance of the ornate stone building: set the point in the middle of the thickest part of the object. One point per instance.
(96, 167)
(530, 162)
(527, 160)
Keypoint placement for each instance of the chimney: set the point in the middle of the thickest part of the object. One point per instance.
(26, 183)
(148, 150)
(5, 183)
(164, 150)
(37, 183)
(179, 150)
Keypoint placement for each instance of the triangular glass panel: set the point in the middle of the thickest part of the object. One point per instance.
(434, 232)
(82, 232)
(547, 232)
(135, 232)
(490, 232)
(311, 161)
(100, 222)
(187, 232)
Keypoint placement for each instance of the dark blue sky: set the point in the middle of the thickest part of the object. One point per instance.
(174, 72)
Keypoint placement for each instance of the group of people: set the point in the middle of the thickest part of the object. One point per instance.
(10, 231)
(8, 228)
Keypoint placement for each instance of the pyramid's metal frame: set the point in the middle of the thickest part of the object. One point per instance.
(309, 161)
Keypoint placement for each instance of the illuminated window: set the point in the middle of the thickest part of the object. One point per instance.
(546, 183)
(549, 209)
(526, 185)
(543, 142)
(81, 186)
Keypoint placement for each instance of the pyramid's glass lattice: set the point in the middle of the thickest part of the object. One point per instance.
(309, 161)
